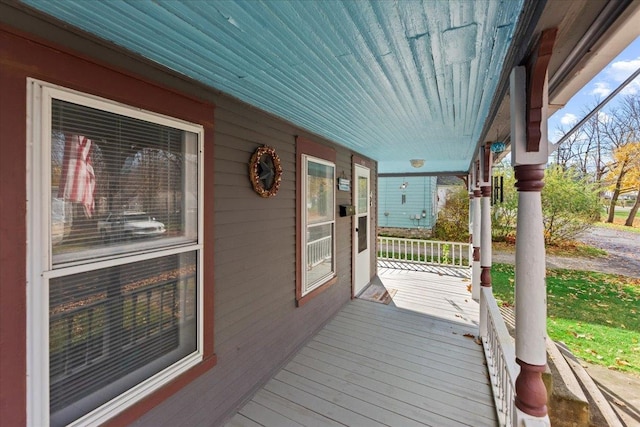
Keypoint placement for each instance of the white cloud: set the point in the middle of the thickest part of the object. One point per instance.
(619, 71)
(601, 89)
(569, 119)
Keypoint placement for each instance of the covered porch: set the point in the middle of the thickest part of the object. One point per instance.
(415, 361)
(409, 88)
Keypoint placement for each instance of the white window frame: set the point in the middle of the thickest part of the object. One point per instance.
(40, 259)
(307, 288)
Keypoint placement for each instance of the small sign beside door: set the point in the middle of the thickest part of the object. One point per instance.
(344, 184)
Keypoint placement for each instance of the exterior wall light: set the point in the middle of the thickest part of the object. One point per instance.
(417, 163)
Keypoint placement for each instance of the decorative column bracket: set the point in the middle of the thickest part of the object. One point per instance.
(537, 77)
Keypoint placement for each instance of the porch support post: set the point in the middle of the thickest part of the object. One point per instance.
(485, 232)
(475, 240)
(475, 271)
(531, 299)
(470, 190)
(529, 159)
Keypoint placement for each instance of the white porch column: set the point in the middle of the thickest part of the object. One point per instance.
(485, 230)
(529, 159)
(470, 190)
(475, 235)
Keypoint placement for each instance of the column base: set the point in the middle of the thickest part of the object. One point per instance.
(485, 276)
(531, 393)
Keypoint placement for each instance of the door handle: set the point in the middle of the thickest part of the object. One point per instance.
(357, 229)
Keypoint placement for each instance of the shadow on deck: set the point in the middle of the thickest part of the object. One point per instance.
(412, 362)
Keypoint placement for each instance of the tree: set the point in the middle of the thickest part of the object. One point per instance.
(453, 219)
(504, 214)
(624, 177)
(569, 205)
(590, 148)
(634, 209)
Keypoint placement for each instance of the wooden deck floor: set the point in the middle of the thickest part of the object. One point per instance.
(413, 362)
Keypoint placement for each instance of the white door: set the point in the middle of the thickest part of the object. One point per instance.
(361, 224)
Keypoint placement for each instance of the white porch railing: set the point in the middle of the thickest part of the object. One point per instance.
(500, 353)
(318, 251)
(453, 254)
(499, 346)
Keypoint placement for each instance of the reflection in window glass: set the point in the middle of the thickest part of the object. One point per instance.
(118, 181)
(108, 327)
(320, 223)
(319, 252)
(118, 285)
(363, 233)
(319, 192)
(363, 194)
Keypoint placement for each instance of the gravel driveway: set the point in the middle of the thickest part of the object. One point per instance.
(623, 248)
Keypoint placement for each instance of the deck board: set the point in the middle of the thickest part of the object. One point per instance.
(396, 345)
(414, 362)
(293, 411)
(266, 416)
(436, 380)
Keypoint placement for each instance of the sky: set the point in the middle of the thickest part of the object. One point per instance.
(597, 89)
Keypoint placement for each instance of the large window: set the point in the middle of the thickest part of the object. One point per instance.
(319, 222)
(317, 239)
(115, 240)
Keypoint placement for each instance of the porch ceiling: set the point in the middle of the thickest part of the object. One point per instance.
(393, 80)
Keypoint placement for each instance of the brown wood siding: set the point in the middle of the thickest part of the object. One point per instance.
(344, 225)
(257, 325)
(13, 362)
(22, 58)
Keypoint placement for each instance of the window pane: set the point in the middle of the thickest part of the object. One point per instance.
(363, 194)
(118, 183)
(112, 328)
(363, 233)
(319, 188)
(319, 254)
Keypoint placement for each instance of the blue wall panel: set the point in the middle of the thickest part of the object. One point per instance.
(407, 202)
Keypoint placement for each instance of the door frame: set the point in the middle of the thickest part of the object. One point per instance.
(358, 161)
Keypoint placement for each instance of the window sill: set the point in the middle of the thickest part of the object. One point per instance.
(131, 414)
(306, 298)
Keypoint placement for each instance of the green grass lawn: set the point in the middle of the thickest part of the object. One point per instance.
(594, 314)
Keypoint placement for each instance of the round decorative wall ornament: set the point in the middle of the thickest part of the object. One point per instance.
(265, 171)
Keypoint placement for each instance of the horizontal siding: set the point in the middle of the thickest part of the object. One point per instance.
(419, 196)
(257, 323)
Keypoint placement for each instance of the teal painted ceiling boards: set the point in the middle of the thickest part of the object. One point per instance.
(393, 80)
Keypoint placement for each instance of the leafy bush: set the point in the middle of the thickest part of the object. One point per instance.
(504, 214)
(452, 224)
(569, 206)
